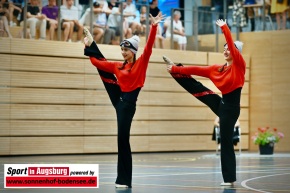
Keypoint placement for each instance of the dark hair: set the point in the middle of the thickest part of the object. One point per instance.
(227, 44)
(96, 4)
(222, 68)
(123, 66)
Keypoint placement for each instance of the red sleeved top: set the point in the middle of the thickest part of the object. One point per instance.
(231, 78)
(135, 78)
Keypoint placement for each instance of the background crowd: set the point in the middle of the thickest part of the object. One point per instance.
(43, 19)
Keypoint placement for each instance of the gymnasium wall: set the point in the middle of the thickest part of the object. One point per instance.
(269, 103)
(53, 102)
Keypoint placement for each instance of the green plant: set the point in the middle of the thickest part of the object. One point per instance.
(266, 135)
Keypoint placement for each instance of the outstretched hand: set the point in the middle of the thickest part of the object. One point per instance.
(221, 22)
(157, 19)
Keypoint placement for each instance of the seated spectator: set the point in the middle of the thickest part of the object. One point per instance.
(153, 9)
(15, 11)
(51, 13)
(70, 21)
(100, 28)
(101, 23)
(86, 21)
(35, 20)
(85, 4)
(5, 9)
(178, 30)
(130, 9)
(114, 22)
(4, 27)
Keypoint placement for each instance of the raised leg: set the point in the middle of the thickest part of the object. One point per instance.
(109, 80)
(197, 89)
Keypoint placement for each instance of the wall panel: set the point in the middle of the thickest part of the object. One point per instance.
(52, 101)
(269, 92)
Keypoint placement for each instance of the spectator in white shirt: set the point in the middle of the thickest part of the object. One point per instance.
(100, 28)
(70, 21)
(134, 24)
(86, 21)
(101, 22)
(114, 22)
(178, 30)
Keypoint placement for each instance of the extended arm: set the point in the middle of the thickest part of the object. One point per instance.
(103, 65)
(191, 70)
(151, 38)
(227, 33)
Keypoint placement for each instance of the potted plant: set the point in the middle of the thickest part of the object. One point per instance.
(266, 138)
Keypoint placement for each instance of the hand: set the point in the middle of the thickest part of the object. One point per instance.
(157, 19)
(38, 16)
(169, 67)
(221, 22)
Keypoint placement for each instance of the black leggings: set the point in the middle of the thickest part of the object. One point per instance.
(125, 111)
(227, 109)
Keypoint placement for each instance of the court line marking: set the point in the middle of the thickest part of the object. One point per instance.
(189, 173)
(243, 183)
(173, 186)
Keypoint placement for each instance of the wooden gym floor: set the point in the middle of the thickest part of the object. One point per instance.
(184, 172)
